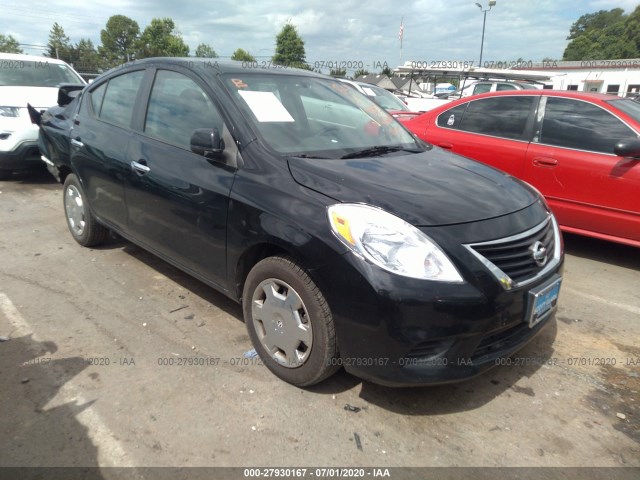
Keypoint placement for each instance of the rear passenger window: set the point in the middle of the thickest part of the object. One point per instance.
(501, 87)
(452, 117)
(120, 98)
(581, 125)
(500, 116)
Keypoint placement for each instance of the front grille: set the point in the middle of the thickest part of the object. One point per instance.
(514, 256)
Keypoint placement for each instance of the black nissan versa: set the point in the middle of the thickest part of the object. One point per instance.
(348, 241)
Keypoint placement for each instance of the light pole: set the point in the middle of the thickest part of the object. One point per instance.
(492, 3)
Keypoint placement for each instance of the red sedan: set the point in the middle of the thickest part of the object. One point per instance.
(581, 150)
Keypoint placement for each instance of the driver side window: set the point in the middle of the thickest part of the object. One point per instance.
(177, 107)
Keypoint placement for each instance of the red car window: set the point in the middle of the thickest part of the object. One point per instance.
(576, 124)
(504, 117)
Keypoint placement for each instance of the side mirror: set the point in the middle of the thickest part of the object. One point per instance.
(628, 148)
(207, 142)
(67, 92)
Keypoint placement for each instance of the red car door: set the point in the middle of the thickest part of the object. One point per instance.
(571, 161)
(493, 130)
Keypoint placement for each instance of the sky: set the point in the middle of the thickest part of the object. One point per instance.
(360, 33)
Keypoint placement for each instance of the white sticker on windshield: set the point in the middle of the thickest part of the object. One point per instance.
(369, 91)
(266, 106)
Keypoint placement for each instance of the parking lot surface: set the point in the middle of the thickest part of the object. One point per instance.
(116, 358)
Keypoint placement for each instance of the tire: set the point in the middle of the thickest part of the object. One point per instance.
(300, 356)
(5, 174)
(83, 226)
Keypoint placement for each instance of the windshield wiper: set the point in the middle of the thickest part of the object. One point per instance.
(379, 150)
(304, 155)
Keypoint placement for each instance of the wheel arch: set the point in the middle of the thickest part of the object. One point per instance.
(254, 254)
(63, 173)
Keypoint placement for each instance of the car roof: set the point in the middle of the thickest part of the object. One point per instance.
(20, 57)
(552, 93)
(588, 96)
(598, 98)
(221, 66)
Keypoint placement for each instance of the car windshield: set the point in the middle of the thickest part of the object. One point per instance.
(629, 107)
(23, 73)
(384, 98)
(317, 117)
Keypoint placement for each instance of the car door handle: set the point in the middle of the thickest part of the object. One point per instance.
(545, 162)
(140, 167)
(76, 142)
(446, 145)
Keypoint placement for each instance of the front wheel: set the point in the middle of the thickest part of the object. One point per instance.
(289, 322)
(83, 226)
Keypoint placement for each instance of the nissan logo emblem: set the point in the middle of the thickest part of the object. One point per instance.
(539, 253)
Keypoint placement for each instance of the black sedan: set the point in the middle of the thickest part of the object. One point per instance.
(348, 241)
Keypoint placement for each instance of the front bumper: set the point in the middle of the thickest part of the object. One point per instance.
(398, 331)
(24, 157)
(19, 143)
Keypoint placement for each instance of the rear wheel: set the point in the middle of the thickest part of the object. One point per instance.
(83, 226)
(289, 322)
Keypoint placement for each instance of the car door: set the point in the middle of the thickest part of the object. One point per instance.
(493, 130)
(177, 200)
(571, 161)
(99, 139)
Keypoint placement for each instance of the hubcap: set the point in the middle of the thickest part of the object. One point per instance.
(282, 323)
(74, 207)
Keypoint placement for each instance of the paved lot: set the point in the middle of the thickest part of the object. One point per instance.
(103, 367)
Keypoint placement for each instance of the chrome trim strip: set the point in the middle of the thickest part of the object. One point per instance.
(46, 160)
(507, 282)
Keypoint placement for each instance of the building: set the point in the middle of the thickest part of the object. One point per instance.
(381, 81)
(616, 77)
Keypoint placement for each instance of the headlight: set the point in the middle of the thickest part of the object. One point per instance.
(9, 111)
(391, 243)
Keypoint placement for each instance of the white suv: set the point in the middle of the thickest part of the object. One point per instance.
(26, 79)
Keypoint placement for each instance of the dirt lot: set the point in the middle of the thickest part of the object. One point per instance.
(104, 367)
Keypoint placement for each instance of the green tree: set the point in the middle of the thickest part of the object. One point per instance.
(119, 40)
(632, 33)
(595, 21)
(86, 57)
(338, 72)
(604, 35)
(361, 73)
(160, 40)
(205, 51)
(242, 56)
(290, 48)
(8, 44)
(59, 45)
(387, 71)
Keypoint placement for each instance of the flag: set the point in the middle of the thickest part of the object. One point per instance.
(401, 32)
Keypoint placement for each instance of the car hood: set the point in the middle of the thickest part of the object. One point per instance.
(39, 97)
(425, 189)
